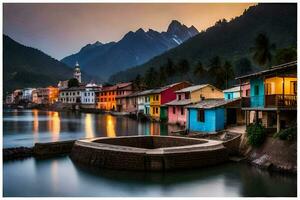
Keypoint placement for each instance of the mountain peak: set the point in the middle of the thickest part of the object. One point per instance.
(140, 30)
(174, 25)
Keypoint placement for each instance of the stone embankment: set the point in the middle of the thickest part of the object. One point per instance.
(40, 150)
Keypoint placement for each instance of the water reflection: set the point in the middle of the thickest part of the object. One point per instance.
(26, 127)
(89, 126)
(54, 125)
(110, 126)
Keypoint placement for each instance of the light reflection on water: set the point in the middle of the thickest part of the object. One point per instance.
(60, 177)
(26, 127)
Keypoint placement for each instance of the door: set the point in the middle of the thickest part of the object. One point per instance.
(231, 116)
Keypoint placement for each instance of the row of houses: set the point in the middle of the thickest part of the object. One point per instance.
(268, 96)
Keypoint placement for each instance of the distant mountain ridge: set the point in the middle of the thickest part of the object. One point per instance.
(29, 67)
(230, 40)
(133, 49)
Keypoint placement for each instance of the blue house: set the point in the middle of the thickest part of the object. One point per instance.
(209, 115)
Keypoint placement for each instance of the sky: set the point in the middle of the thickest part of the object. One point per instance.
(61, 29)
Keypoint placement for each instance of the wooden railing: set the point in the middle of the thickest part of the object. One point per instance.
(270, 101)
(279, 100)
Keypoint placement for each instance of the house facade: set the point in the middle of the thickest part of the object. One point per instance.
(273, 96)
(107, 97)
(209, 115)
(161, 96)
(89, 95)
(143, 101)
(177, 111)
(71, 95)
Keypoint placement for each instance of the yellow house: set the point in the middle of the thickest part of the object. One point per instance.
(155, 105)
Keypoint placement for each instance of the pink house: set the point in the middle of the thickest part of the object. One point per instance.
(177, 112)
(245, 88)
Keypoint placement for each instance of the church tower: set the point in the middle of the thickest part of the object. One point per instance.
(77, 73)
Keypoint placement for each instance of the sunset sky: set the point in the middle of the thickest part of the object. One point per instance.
(61, 29)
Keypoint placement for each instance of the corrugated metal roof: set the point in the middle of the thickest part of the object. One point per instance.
(233, 89)
(212, 103)
(179, 102)
(272, 69)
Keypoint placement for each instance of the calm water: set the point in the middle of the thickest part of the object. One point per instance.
(24, 128)
(60, 177)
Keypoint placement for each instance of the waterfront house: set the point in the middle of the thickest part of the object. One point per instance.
(273, 96)
(177, 108)
(107, 97)
(143, 101)
(9, 99)
(89, 95)
(48, 95)
(127, 103)
(71, 95)
(209, 115)
(27, 94)
(161, 96)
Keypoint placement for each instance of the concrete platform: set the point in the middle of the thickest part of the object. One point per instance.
(152, 153)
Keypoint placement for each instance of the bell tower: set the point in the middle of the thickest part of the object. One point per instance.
(77, 73)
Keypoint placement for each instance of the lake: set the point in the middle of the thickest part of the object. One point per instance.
(61, 177)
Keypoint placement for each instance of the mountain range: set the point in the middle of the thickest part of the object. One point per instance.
(29, 67)
(229, 40)
(133, 49)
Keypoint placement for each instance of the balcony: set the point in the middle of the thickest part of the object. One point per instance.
(270, 101)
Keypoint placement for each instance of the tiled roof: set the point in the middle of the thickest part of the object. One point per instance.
(192, 88)
(159, 90)
(212, 103)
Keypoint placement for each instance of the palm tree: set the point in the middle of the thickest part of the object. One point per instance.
(262, 50)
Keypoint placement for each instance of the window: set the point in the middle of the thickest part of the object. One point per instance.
(268, 88)
(200, 116)
(228, 96)
(247, 93)
(179, 97)
(187, 96)
(153, 110)
(256, 90)
(156, 110)
(174, 110)
(182, 110)
(293, 87)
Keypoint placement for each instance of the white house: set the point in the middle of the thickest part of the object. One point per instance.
(89, 95)
(144, 101)
(27, 94)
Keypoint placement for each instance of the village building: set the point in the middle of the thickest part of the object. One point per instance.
(161, 96)
(273, 96)
(209, 115)
(71, 95)
(9, 99)
(177, 112)
(27, 94)
(232, 93)
(89, 95)
(48, 95)
(143, 101)
(107, 97)
(128, 103)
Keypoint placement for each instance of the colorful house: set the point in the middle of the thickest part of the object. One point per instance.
(177, 112)
(143, 101)
(162, 96)
(232, 93)
(107, 97)
(209, 115)
(273, 96)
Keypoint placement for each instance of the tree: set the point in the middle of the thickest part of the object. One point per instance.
(199, 70)
(170, 67)
(285, 55)
(243, 66)
(262, 50)
(228, 72)
(151, 77)
(73, 82)
(162, 76)
(183, 66)
(137, 82)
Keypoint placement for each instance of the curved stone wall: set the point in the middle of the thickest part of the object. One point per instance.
(148, 152)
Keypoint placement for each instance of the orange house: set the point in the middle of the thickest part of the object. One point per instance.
(107, 97)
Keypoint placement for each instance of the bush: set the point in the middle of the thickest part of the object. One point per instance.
(256, 134)
(289, 134)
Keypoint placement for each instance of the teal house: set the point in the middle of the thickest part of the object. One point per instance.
(232, 93)
(257, 91)
(208, 115)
